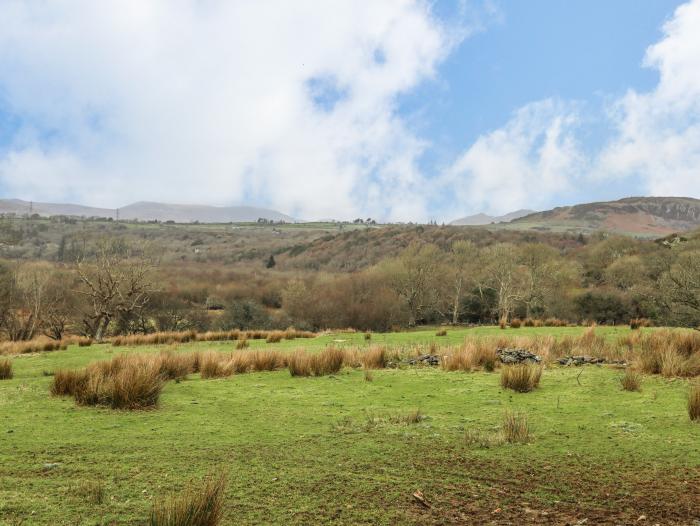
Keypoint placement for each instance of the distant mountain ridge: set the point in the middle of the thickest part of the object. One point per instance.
(645, 216)
(484, 219)
(148, 211)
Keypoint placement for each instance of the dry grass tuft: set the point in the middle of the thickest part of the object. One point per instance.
(328, 361)
(474, 353)
(521, 378)
(242, 344)
(5, 369)
(516, 323)
(90, 490)
(515, 427)
(694, 402)
(441, 332)
(368, 336)
(199, 504)
(631, 380)
(375, 358)
(125, 382)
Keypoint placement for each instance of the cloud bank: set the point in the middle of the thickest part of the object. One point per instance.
(295, 106)
(289, 104)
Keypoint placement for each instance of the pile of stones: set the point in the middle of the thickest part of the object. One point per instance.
(514, 356)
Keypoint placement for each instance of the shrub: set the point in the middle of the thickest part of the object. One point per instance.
(515, 427)
(631, 380)
(694, 402)
(515, 323)
(5, 369)
(521, 378)
(441, 332)
(200, 504)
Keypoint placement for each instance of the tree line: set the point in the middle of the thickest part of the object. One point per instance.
(113, 288)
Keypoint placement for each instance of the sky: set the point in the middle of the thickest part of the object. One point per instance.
(399, 110)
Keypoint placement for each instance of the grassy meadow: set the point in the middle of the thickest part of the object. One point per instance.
(354, 447)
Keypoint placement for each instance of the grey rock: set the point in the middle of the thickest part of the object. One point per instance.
(514, 356)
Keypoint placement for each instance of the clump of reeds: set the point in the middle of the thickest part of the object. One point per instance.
(638, 323)
(328, 361)
(474, 353)
(375, 358)
(199, 504)
(515, 427)
(521, 378)
(694, 402)
(90, 490)
(125, 382)
(5, 369)
(631, 380)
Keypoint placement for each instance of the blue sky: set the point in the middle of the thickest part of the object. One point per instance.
(401, 110)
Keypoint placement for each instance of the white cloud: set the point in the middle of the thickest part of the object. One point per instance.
(187, 101)
(521, 165)
(658, 133)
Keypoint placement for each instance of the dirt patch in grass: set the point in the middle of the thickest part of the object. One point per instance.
(558, 492)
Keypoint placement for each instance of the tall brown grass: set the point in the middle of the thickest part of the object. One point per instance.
(125, 382)
(168, 338)
(694, 402)
(472, 354)
(515, 427)
(521, 378)
(5, 369)
(199, 504)
(328, 361)
(375, 358)
(516, 323)
(631, 380)
(665, 352)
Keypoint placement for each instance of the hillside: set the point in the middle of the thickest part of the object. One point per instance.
(485, 219)
(638, 216)
(148, 211)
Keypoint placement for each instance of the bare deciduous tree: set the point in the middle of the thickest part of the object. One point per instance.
(414, 277)
(115, 283)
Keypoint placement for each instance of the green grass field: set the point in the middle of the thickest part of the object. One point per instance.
(326, 450)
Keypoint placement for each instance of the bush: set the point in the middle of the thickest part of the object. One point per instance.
(198, 505)
(521, 378)
(5, 369)
(515, 323)
(441, 332)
